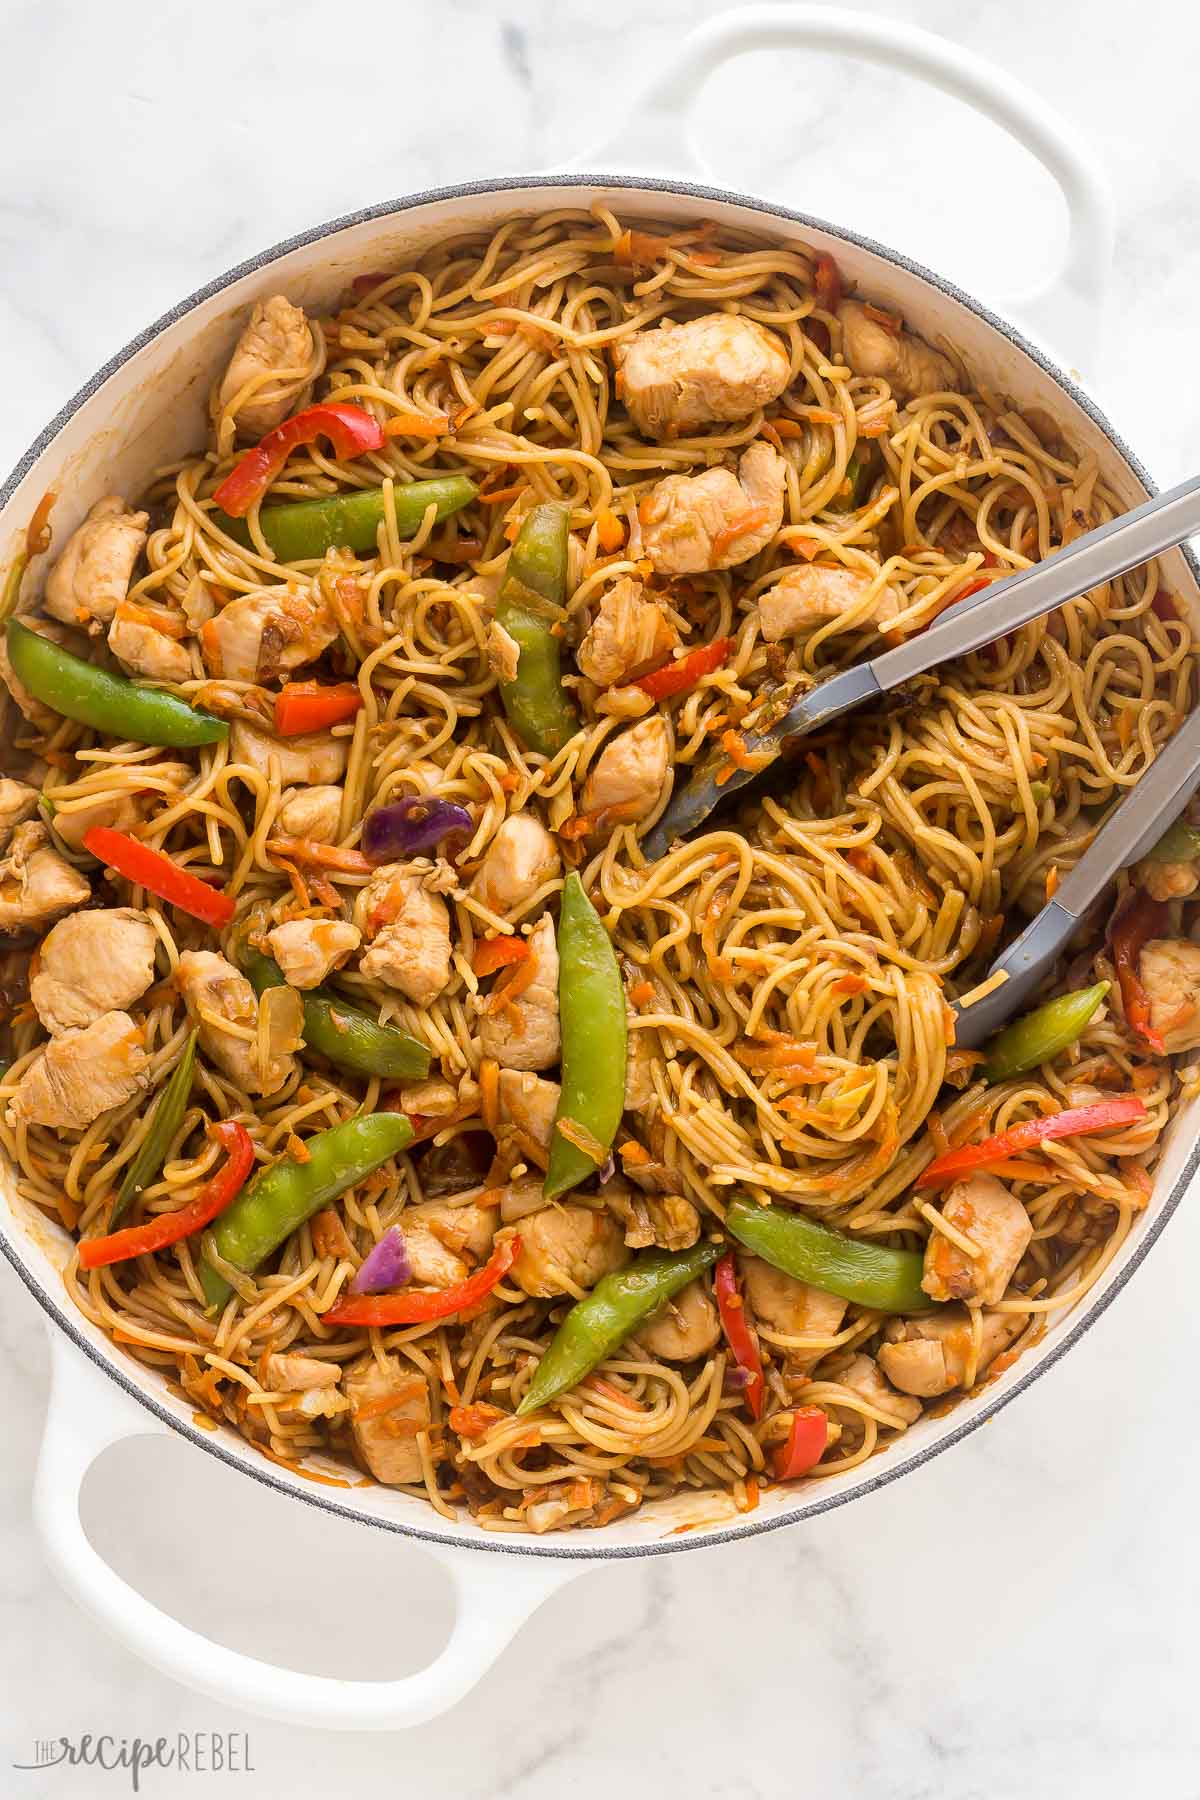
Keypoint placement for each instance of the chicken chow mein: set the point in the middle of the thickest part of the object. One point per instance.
(405, 1114)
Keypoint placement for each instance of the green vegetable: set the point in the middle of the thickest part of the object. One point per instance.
(1180, 842)
(280, 1198)
(1034, 1039)
(856, 481)
(168, 1116)
(349, 1037)
(591, 1009)
(535, 701)
(306, 529)
(108, 703)
(867, 1273)
(616, 1306)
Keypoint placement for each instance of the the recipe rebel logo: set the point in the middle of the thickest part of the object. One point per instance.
(189, 1752)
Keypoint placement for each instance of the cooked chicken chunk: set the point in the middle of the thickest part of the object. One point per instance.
(93, 963)
(446, 1242)
(83, 1073)
(862, 1375)
(386, 1435)
(984, 1210)
(291, 1374)
(164, 782)
(313, 812)
(567, 1247)
(523, 1033)
(273, 364)
(143, 649)
(261, 636)
(432, 1099)
(630, 635)
(716, 520)
(793, 1309)
(223, 1004)
(528, 1104)
(908, 364)
(18, 802)
(313, 760)
(814, 593)
(91, 577)
(687, 1327)
(36, 883)
(667, 1220)
(307, 949)
(717, 368)
(408, 928)
(1170, 972)
(1167, 880)
(521, 858)
(929, 1356)
(626, 780)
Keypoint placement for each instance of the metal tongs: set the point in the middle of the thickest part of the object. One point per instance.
(1135, 824)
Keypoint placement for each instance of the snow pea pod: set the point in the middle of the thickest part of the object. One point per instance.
(598, 1324)
(869, 1274)
(535, 701)
(591, 1009)
(109, 703)
(168, 1116)
(1034, 1039)
(1180, 842)
(281, 1198)
(305, 529)
(349, 1037)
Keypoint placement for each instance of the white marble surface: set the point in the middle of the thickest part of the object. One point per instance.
(1018, 1619)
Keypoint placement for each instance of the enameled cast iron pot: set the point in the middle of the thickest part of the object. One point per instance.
(146, 408)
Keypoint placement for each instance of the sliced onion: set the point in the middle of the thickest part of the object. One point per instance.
(416, 823)
(607, 1169)
(386, 1266)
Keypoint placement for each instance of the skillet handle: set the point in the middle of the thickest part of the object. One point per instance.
(656, 137)
(494, 1593)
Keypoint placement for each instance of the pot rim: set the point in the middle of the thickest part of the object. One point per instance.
(888, 1469)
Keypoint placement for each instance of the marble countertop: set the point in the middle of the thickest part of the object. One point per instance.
(1015, 1619)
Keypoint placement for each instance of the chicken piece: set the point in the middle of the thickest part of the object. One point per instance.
(1167, 880)
(143, 649)
(667, 1220)
(626, 781)
(386, 1436)
(814, 593)
(793, 1309)
(314, 759)
(122, 810)
(990, 1215)
(630, 635)
(446, 1241)
(861, 1374)
(523, 1033)
(314, 812)
(716, 520)
(1170, 973)
(307, 949)
(433, 1099)
(908, 364)
(93, 963)
(408, 929)
(274, 359)
(928, 1356)
(222, 1003)
(521, 858)
(564, 1248)
(261, 636)
(91, 576)
(717, 368)
(528, 1104)
(503, 652)
(291, 1374)
(83, 1073)
(36, 883)
(18, 802)
(687, 1327)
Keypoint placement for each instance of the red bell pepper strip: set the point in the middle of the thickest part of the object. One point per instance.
(414, 1309)
(677, 677)
(151, 869)
(169, 1228)
(805, 1444)
(303, 706)
(496, 953)
(737, 1332)
(350, 430)
(1136, 923)
(1074, 1121)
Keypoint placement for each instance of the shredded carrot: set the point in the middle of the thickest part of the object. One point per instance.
(962, 1059)
(639, 247)
(386, 1403)
(494, 953)
(1125, 726)
(536, 334)
(787, 428)
(489, 1093)
(635, 1153)
(937, 1131)
(581, 1139)
(600, 1386)
(860, 859)
(417, 425)
(744, 522)
(474, 1421)
(499, 495)
(1051, 881)
(156, 617)
(806, 547)
(850, 984)
(642, 993)
(609, 530)
(992, 928)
